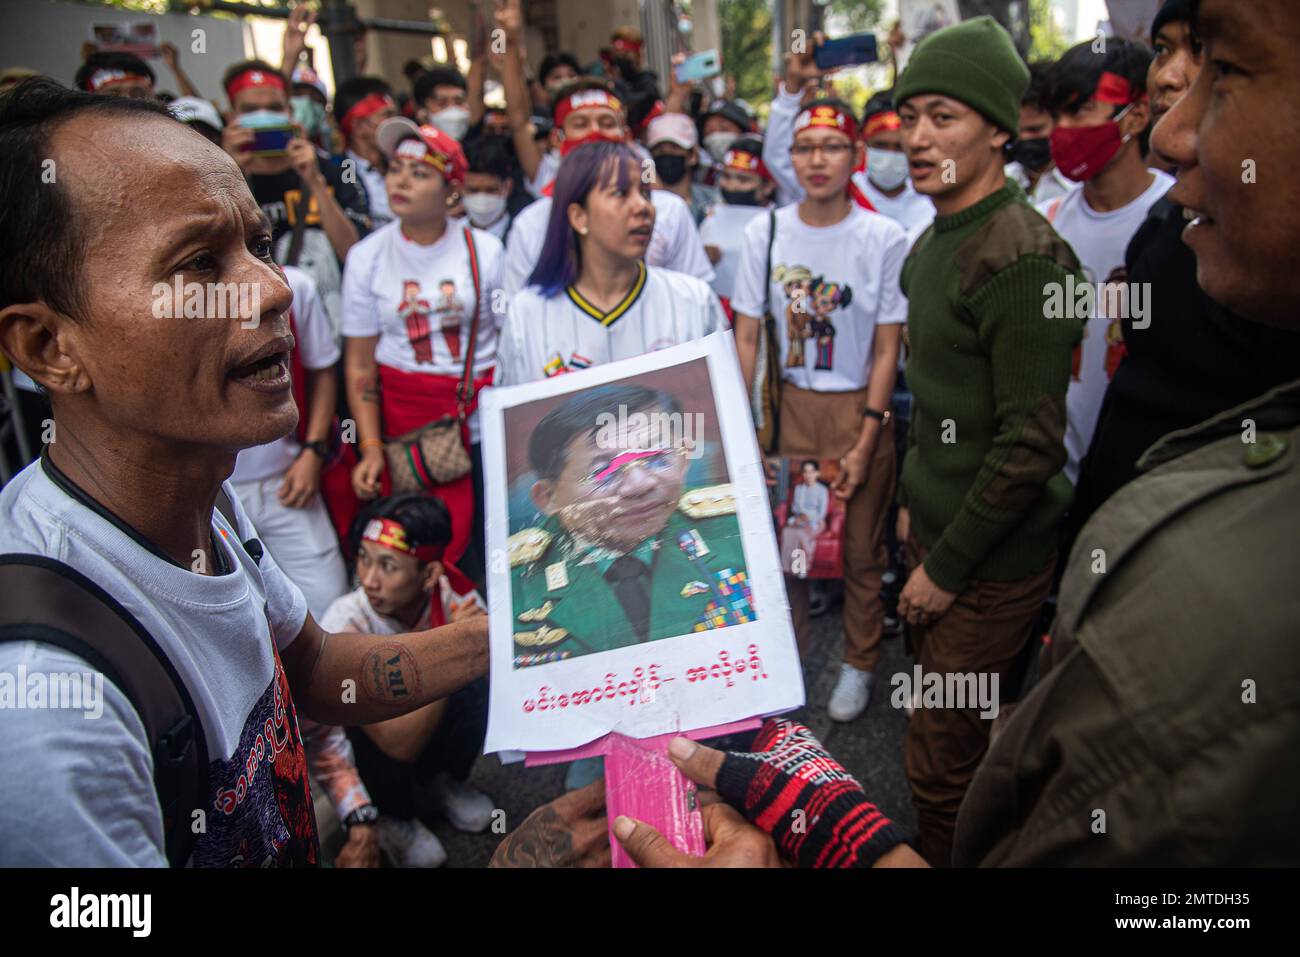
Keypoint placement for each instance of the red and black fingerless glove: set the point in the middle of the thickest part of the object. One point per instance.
(817, 812)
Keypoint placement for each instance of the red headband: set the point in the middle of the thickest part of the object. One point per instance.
(567, 146)
(253, 77)
(745, 162)
(884, 120)
(828, 117)
(390, 534)
(102, 78)
(624, 45)
(1113, 88)
(585, 100)
(368, 105)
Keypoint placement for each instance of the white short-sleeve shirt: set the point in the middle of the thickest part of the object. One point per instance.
(81, 790)
(564, 333)
(830, 286)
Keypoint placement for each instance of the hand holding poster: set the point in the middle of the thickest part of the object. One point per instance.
(636, 586)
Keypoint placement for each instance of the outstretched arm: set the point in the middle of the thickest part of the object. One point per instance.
(350, 678)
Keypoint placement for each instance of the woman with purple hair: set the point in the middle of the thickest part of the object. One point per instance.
(591, 298)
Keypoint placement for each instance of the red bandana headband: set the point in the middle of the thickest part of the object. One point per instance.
(624, 45)
(882, 121)
(253, 78)
(417, 149)
(826, 117)
(368, 105)
(1114, 89)
(390, 534)
(745, 162)
(102, 78)
(567, 145)
(585, 100)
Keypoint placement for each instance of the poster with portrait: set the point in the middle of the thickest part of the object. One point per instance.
(634, 583)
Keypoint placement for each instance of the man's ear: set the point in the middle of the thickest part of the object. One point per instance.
(555, 138)
(543, 495)
(577, 217)
(1000, 138)
(1138, 119)
(41, 342)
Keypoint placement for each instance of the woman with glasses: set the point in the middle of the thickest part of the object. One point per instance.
(591, 298)
(830, 280)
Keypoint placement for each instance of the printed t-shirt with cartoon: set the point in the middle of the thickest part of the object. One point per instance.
(418, 299)
(829, 288)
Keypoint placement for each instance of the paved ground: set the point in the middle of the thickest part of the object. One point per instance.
(871, 747)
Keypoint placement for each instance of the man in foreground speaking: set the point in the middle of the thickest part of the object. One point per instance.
(149, 414)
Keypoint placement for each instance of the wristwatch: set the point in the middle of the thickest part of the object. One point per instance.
(366, 814)
(881, 417)
(320, 447)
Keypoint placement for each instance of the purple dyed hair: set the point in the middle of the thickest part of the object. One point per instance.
(589, 166)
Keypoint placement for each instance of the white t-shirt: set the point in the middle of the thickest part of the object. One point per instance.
(845, 280)
(352, 612)
(318, 350)
(418, 300)
(724, 227)
(909, 208)
(675, 243)
(80, 792)
(1049, 186)
(546, 337)
(372, 178)
(1099, 240)
(547, 167)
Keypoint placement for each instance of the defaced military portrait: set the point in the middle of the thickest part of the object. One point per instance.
(622, 519)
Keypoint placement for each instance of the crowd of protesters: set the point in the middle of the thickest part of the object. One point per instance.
(909, 271)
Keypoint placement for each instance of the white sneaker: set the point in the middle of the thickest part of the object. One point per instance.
(468, 808)
(408, 843)
(851, 694)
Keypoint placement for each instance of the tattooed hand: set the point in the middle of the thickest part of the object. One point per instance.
(569, 832)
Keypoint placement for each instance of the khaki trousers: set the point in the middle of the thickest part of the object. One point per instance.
(825, 425)
(984, 631)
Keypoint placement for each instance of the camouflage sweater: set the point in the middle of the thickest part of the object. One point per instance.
(988, 372)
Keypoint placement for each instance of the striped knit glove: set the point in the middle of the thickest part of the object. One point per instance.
(817, 812)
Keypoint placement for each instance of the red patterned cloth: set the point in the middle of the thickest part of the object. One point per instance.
(817, 812)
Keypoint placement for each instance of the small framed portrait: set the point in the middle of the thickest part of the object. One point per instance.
(634, 581)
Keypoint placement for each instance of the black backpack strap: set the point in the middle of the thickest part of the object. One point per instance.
(50, 602)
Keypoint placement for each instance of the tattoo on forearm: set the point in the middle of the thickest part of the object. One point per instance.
(389, 673)
(369, 390)
(543, 840)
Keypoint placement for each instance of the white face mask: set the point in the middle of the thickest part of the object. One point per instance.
(454, 121)
(886, 169)
(718, 143)
(484, 209)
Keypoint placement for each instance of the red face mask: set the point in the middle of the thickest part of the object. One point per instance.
(1081, 152)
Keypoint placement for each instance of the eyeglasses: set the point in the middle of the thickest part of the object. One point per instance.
(832, 150)
(655, 461)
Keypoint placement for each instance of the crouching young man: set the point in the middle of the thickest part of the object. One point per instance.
(149, 415)
(421, 759)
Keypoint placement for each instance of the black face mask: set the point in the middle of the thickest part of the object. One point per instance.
(1033, 154)
(671, 169)
(740, 197)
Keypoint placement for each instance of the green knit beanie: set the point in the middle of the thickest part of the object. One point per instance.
(973, 61)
